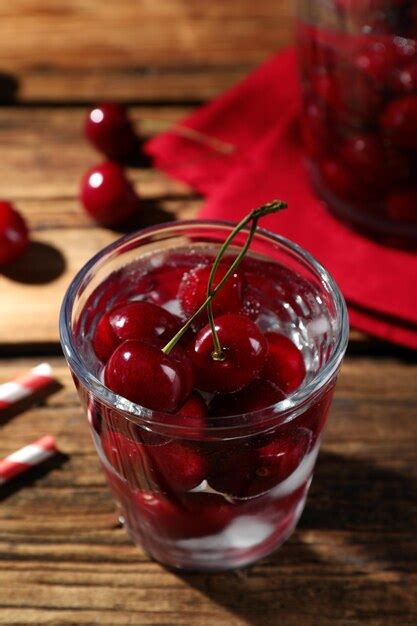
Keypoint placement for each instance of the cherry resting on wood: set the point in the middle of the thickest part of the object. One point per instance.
(110, 130)
(13, 233)
(107, 195)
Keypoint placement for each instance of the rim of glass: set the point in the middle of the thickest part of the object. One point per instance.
(140, 414)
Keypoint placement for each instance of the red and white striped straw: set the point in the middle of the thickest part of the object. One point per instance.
(22, 387)
(27, 457)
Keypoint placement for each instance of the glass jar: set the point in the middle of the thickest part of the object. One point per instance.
(358, 65)
(237, 513)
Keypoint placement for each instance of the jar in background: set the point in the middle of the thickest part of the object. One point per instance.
(358, 66)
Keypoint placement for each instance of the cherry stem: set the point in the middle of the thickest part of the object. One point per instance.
(218, 354)
(253, 216)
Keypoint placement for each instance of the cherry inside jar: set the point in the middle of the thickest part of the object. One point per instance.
(220, 477)
(358, 67)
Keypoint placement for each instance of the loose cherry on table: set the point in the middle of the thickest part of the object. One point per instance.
(284, 366)
(192, 291)
(110, 130)
(143, 321)
(244, 348)
(107, 195)
(143, 374)
(13, 233)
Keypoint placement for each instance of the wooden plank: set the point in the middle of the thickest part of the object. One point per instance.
(44, 187)
(64, 559)
(136, 49)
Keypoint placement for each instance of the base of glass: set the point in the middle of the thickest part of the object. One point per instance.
(367, 221)
(242, 543)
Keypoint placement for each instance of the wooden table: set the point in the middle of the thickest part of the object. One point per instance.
(63, 557)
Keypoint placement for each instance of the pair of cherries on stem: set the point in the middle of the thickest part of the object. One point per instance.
(227, 355)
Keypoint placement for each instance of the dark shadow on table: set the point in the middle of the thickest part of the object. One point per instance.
(141, 159)
(37, 397)
(150, 213)
(346, 495)
(41, 263)
(30, 477)
(9, 87)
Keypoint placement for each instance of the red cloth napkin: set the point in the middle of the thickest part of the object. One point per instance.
(244, 149)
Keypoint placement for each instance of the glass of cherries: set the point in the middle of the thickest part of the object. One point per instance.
(205, 355)
(358, 64)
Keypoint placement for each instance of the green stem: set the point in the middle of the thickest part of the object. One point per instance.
(266, 209)
(218, 354)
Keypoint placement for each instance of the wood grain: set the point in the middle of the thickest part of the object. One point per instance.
(65, 560)
(44, 158)
(139, 50)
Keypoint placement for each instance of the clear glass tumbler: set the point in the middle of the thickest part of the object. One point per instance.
(358, 65)
(239, 512)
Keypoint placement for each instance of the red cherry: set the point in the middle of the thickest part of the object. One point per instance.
(110, 130)
(259, 469)
(376, 165)
(348, 94)
(402, 205)
(377, 60)
(399, 121)
(278, 459)
(181, 466)
(193, 407)
(259, 394)
(13, 233)
(193, 290)
(315, 131)
(284, 366)
(129, 459)
(314, 417)
(142, 373)
(193, 413)
(405, 49)
(198, 517)
(339, 179)
(244, 348)
(326, 87)
(231, 466)
(404, 80)
(107, 195)
(143, 321)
